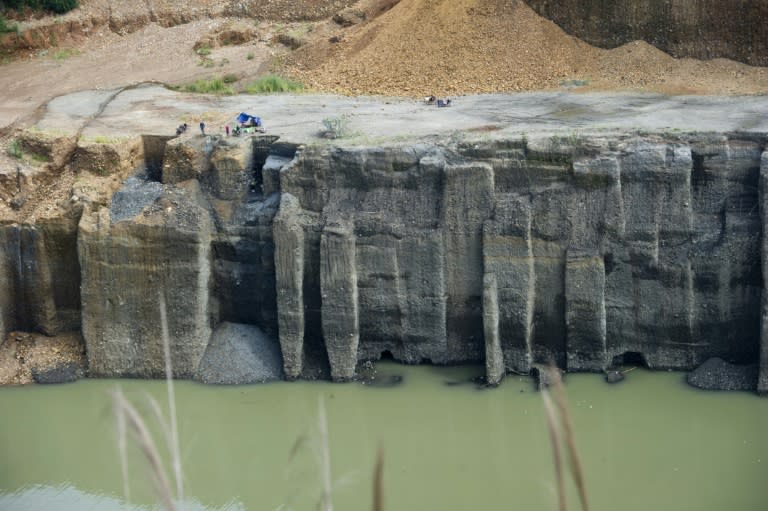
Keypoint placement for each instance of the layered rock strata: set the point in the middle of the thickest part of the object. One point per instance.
(506, 252)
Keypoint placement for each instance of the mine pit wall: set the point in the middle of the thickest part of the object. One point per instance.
(480, 252)
(494, 252)
(126, 267)
(40, 277)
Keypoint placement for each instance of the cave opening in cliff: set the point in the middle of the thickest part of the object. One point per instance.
(630, 358)
(154, 153)
(386, 355)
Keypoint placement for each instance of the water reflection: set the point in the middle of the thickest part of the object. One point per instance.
(68, 498)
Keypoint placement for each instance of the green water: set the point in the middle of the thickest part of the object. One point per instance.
(649, 443)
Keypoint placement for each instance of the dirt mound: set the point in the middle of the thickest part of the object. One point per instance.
(448, 47)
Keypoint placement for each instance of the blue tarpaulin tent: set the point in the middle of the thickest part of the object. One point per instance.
(244, 118)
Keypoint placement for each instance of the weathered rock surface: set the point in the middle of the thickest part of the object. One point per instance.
(126, 267)
(510, 252)
(64, 373)
(521, 255)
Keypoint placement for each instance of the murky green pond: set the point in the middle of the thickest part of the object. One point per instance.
(649, 443)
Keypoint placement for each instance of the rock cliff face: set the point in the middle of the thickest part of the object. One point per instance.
(497, 252)
(505, 252)
(703, 29)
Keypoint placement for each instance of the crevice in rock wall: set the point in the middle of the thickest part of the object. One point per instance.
(262, 148)
(154, 154)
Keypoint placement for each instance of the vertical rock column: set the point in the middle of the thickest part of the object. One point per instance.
(338, 283)
(494, 357)
(594, 209)
(9, 259)
(37, 282)
(289, 269)
(467, 203)
(585, 312)
(509, 288)
(762, 381)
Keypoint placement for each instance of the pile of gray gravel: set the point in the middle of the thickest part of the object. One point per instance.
(136, 194)
(717, 374)
(240, 354)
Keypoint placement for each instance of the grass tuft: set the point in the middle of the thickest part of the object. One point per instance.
(272, 84)
(65, 54)
(14, 150)
(7, 27)
(131, 423)
(213, 86)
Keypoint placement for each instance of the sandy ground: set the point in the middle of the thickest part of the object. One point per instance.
(108, 60)
(152, 109)
(412, 48)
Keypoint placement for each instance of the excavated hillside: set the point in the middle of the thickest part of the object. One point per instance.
(475, 46)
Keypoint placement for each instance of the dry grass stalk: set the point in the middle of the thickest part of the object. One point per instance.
(325, 459)
(130, 421)
(561, 429)
(122, 449)
(378, 481)
(553, 427)
(174, 430)
(127, 414)
(570, 441)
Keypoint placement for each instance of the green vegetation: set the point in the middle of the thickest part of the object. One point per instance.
(273, 83)
(57, 6)
(212, 86)
(65, 54)
(14, 149)
(250, 55)
(6, 27)
(230, 78)
(203, 51)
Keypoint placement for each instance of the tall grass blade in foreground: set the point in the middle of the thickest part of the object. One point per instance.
(554, 437)
(561, 429)
(137, 428)
(175, 453)
(130, 422)
(570, 441)
(378, 482)
(325, 459)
